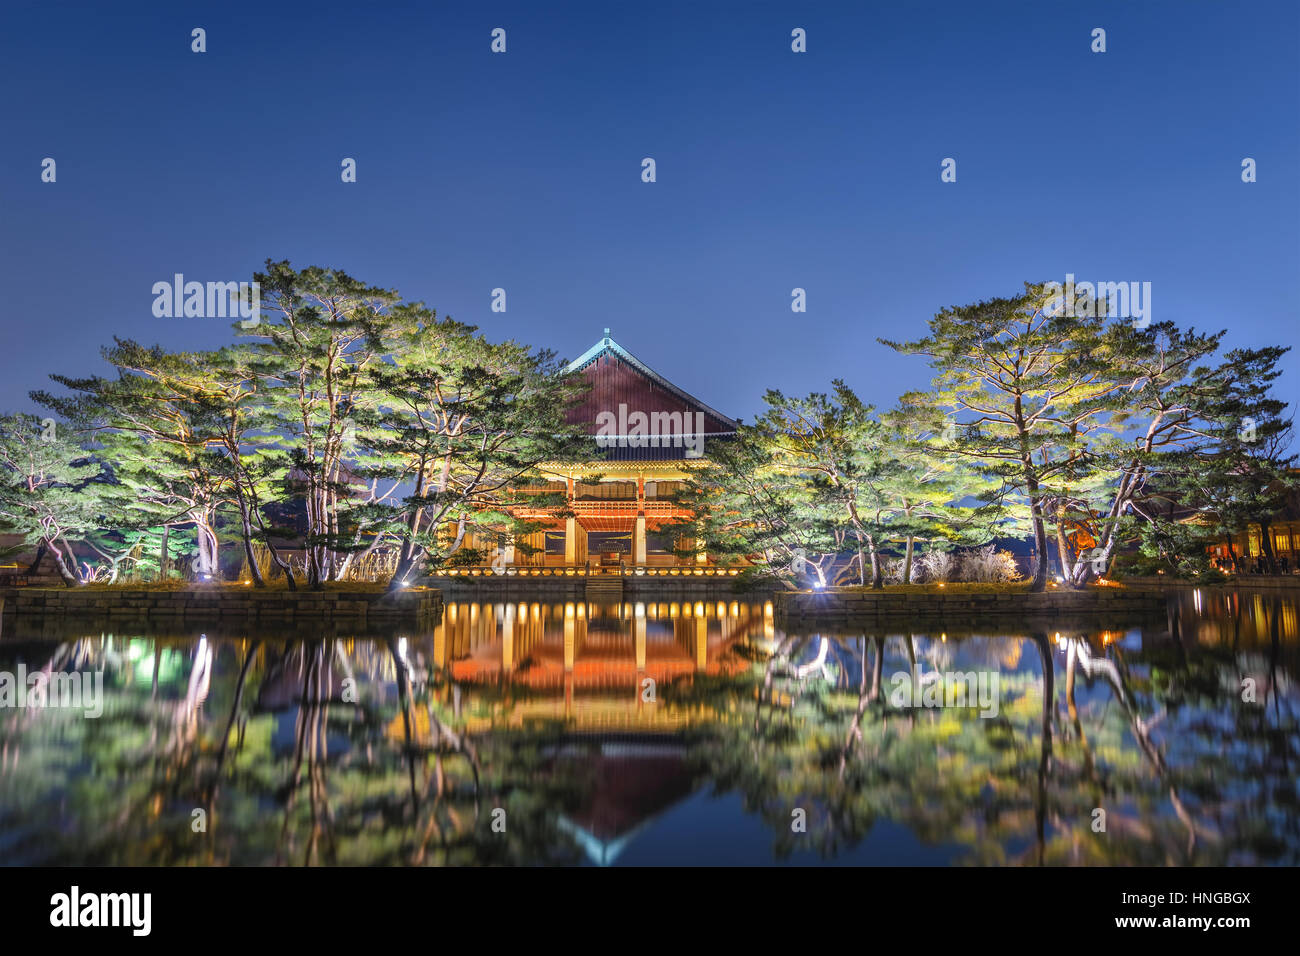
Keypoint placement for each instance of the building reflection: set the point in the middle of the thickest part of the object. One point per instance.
(596, 666)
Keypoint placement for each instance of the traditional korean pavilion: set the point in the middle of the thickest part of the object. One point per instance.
(647, 436)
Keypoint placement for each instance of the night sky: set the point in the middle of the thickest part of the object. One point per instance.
(775, 170)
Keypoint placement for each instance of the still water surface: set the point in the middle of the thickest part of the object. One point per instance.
(665, 733)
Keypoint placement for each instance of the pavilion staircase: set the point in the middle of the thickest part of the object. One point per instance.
(605, 583)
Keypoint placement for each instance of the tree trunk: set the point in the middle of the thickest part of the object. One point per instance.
(314, 552)
(1039, 582)
(877, 667)
(41, 550)
(1068, 567)
(406, 557)
(877, 579)
(208, 548)
(163, 559)
(280, 563)
(68, 575)
(404, 566)
(907, 559)
(246, 529)
(1266, 543)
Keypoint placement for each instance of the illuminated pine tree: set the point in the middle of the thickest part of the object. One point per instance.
(48, 490)
(1015, 375)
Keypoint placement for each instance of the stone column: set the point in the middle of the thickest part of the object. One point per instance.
(638, 540)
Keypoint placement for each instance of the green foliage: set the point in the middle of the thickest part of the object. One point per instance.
(816, 477)
(463, 422)
(50, 488)
(1099, 434)
(363, 414)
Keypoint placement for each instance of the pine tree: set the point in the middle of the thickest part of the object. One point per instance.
(463, 422)
(153, 428)
(48, 489)
(324, 336)
(1019, 378)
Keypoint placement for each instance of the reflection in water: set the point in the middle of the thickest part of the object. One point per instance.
(667, 732)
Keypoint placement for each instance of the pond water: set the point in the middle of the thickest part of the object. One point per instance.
(661, 733)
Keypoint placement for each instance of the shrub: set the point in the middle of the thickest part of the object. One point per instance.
(987, 565)
(892, 570)
(937, 565)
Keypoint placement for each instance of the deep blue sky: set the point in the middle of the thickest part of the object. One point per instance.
(775, 170)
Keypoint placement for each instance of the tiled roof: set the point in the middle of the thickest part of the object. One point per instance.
(607, 346)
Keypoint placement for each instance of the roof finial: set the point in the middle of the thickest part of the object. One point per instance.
(607, 333)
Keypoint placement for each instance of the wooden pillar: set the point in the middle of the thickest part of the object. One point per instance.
(575, 542)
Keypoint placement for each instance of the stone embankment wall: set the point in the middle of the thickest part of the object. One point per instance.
(901, 606)
(51, 608)
(1262, 581)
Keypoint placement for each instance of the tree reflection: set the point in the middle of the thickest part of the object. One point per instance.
(338, 749)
